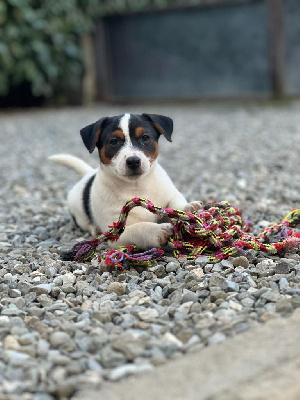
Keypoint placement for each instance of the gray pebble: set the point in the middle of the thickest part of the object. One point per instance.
(283, 284)
(251, 281)
(282, 268)
(202, 261)
(217, 280)
(58, 339)
(13, 312)
(43, 288)
(270, 296)
(295, 301)
(24, 287)
(131, 344)
(188, 295)
(111, 358)
(216, 338)
(43, 347)
(156, 294)
(247, 302)
(240, 261)
(14, 293)
(17, 241)
(22, 269)
(94, 365)
(116, 287)
(3, 245)
(284, 306)
(216, 295)
(16, 358)
(232, 286)
(172, 266)
(226, 264)
(44, 300)
(66, 388)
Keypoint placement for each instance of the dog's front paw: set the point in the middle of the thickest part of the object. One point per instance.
(165, 230)
(94, 230)
(193, 206)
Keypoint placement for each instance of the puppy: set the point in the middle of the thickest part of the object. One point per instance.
(128, 149)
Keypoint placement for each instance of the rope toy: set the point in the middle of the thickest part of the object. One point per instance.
(216, 231)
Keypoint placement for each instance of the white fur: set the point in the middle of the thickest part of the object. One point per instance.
(124, 125)
(79, 166)
(118, 164)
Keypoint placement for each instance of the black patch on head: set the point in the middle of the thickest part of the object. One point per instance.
(162, 124)
(91, 133)
(111, 139)
(108, 151)
(87, 197)
(142, 134)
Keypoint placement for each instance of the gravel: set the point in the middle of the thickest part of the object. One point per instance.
(67, 326)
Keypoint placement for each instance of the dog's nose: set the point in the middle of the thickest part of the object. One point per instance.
(133, 162)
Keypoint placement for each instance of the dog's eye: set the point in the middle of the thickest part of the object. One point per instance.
(145, 138)
(113, 142)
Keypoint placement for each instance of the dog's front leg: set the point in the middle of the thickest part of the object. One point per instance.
(179, 203)
(144, 235)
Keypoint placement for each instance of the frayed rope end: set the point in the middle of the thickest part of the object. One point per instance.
(82, 251)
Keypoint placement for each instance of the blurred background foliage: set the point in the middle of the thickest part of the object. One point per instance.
(40, 51)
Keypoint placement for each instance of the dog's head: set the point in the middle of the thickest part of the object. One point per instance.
(127, 144)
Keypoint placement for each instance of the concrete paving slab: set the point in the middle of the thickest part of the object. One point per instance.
(261, 364)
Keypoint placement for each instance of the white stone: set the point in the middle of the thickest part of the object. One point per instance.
(68, 279)
(148, 315)
(10, 342)
(128, 369)
(199, 274)
(235, 306)
(247, 302)
(185, 307)
(169, 337)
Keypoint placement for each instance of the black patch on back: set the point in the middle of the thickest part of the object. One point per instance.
(74, 220)
(86, 198)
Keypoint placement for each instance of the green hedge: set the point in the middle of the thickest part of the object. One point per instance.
(40, 39)
(39, 43)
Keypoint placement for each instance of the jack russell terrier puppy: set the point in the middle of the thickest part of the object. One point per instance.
(128, 149)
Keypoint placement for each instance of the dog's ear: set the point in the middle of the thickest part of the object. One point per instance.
(91, 133)
(164, 125)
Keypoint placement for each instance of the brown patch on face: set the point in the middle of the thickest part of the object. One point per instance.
(152, 155)
(96, 138)
(103, 156)
(150, 146)
(119, 134)
(139, 131)
(108, 150)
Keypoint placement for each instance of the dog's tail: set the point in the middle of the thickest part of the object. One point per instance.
(75, 163)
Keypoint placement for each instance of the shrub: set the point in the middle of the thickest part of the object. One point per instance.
(40, 44)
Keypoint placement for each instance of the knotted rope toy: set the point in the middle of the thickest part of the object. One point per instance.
(216, 231)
